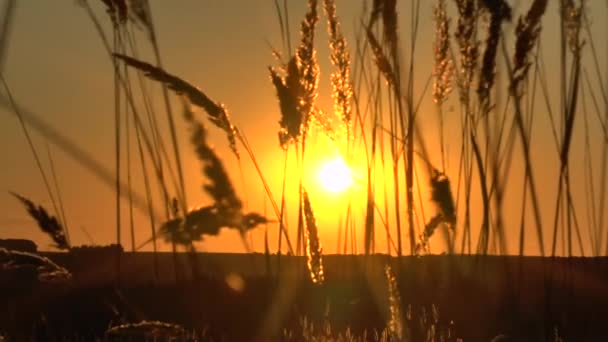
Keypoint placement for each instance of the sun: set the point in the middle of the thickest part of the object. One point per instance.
(335, 175)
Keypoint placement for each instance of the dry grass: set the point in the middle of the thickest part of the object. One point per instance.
(46, 222)
(297, 87)
(527, 32)
(395, 315)
(226, 211)
(443, 63)
(218, 115)
(342, 91)
(16, 267)
(499, 11)
(154, 330)
(314, 251)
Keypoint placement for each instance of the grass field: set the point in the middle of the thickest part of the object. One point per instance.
(455, 153)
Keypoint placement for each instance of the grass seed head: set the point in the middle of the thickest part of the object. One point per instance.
(46, 222)
(443, 63)
(297, 88)
(395, 319)
(442, 197)
(314, 251)
(499, 11)
(340, 79)
(216, 112)
(527, 32)
(117, 10)
(468, 45)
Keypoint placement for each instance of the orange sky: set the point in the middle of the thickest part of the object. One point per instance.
(57, 68)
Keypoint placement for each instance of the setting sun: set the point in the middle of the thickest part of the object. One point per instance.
(335, 175)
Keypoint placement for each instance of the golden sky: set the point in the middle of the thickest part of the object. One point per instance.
(57, 68)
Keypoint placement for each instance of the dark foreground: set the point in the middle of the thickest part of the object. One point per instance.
(252, 297)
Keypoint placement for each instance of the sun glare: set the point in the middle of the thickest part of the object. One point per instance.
(335, 175)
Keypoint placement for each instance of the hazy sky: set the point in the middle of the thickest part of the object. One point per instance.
(57, 68)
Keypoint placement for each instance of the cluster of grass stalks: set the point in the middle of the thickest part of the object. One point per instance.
(19, 267)
(377, 105)
(488, 69)
(148, 330)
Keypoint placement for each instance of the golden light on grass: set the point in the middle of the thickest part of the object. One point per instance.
(335, 175)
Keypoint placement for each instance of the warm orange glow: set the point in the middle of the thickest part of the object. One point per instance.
(335, 175)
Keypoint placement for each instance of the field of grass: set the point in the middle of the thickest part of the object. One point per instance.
(496, 157)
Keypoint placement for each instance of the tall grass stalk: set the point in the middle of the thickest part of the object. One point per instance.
(30, 142)
(63, 221)
(5, 29)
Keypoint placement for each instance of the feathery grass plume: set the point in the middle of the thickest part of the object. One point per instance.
(216, 112)
(382, 62)
(117, 10)
(340, 79)
(429, 229)
(389, 25)
(220, 188)
(443, 64)
(226, 211)
(395, 319)
(499, 11)
(154, 330)
(468, 45)
(297, 88)
(442, 197)
(527, 32)
(314, 251)
(288, 88)
(307, 61)
(31, 266)
(47, 223)
(208, 221)
(572, 23)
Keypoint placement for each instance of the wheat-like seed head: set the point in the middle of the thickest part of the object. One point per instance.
(225, 212)
(288, 89)
(340, 79)
(443, 63)
(572, 21)
(307, 63)
(395, 319)
(389, 25)
(527, 32)
(297, 89)
(118, 11)
(217, 112)
(499, 11)
(220, 187)
(468, 46)
(382, 62)
(46, 222)
(429, 229)
(442, 197)
(314, 251)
